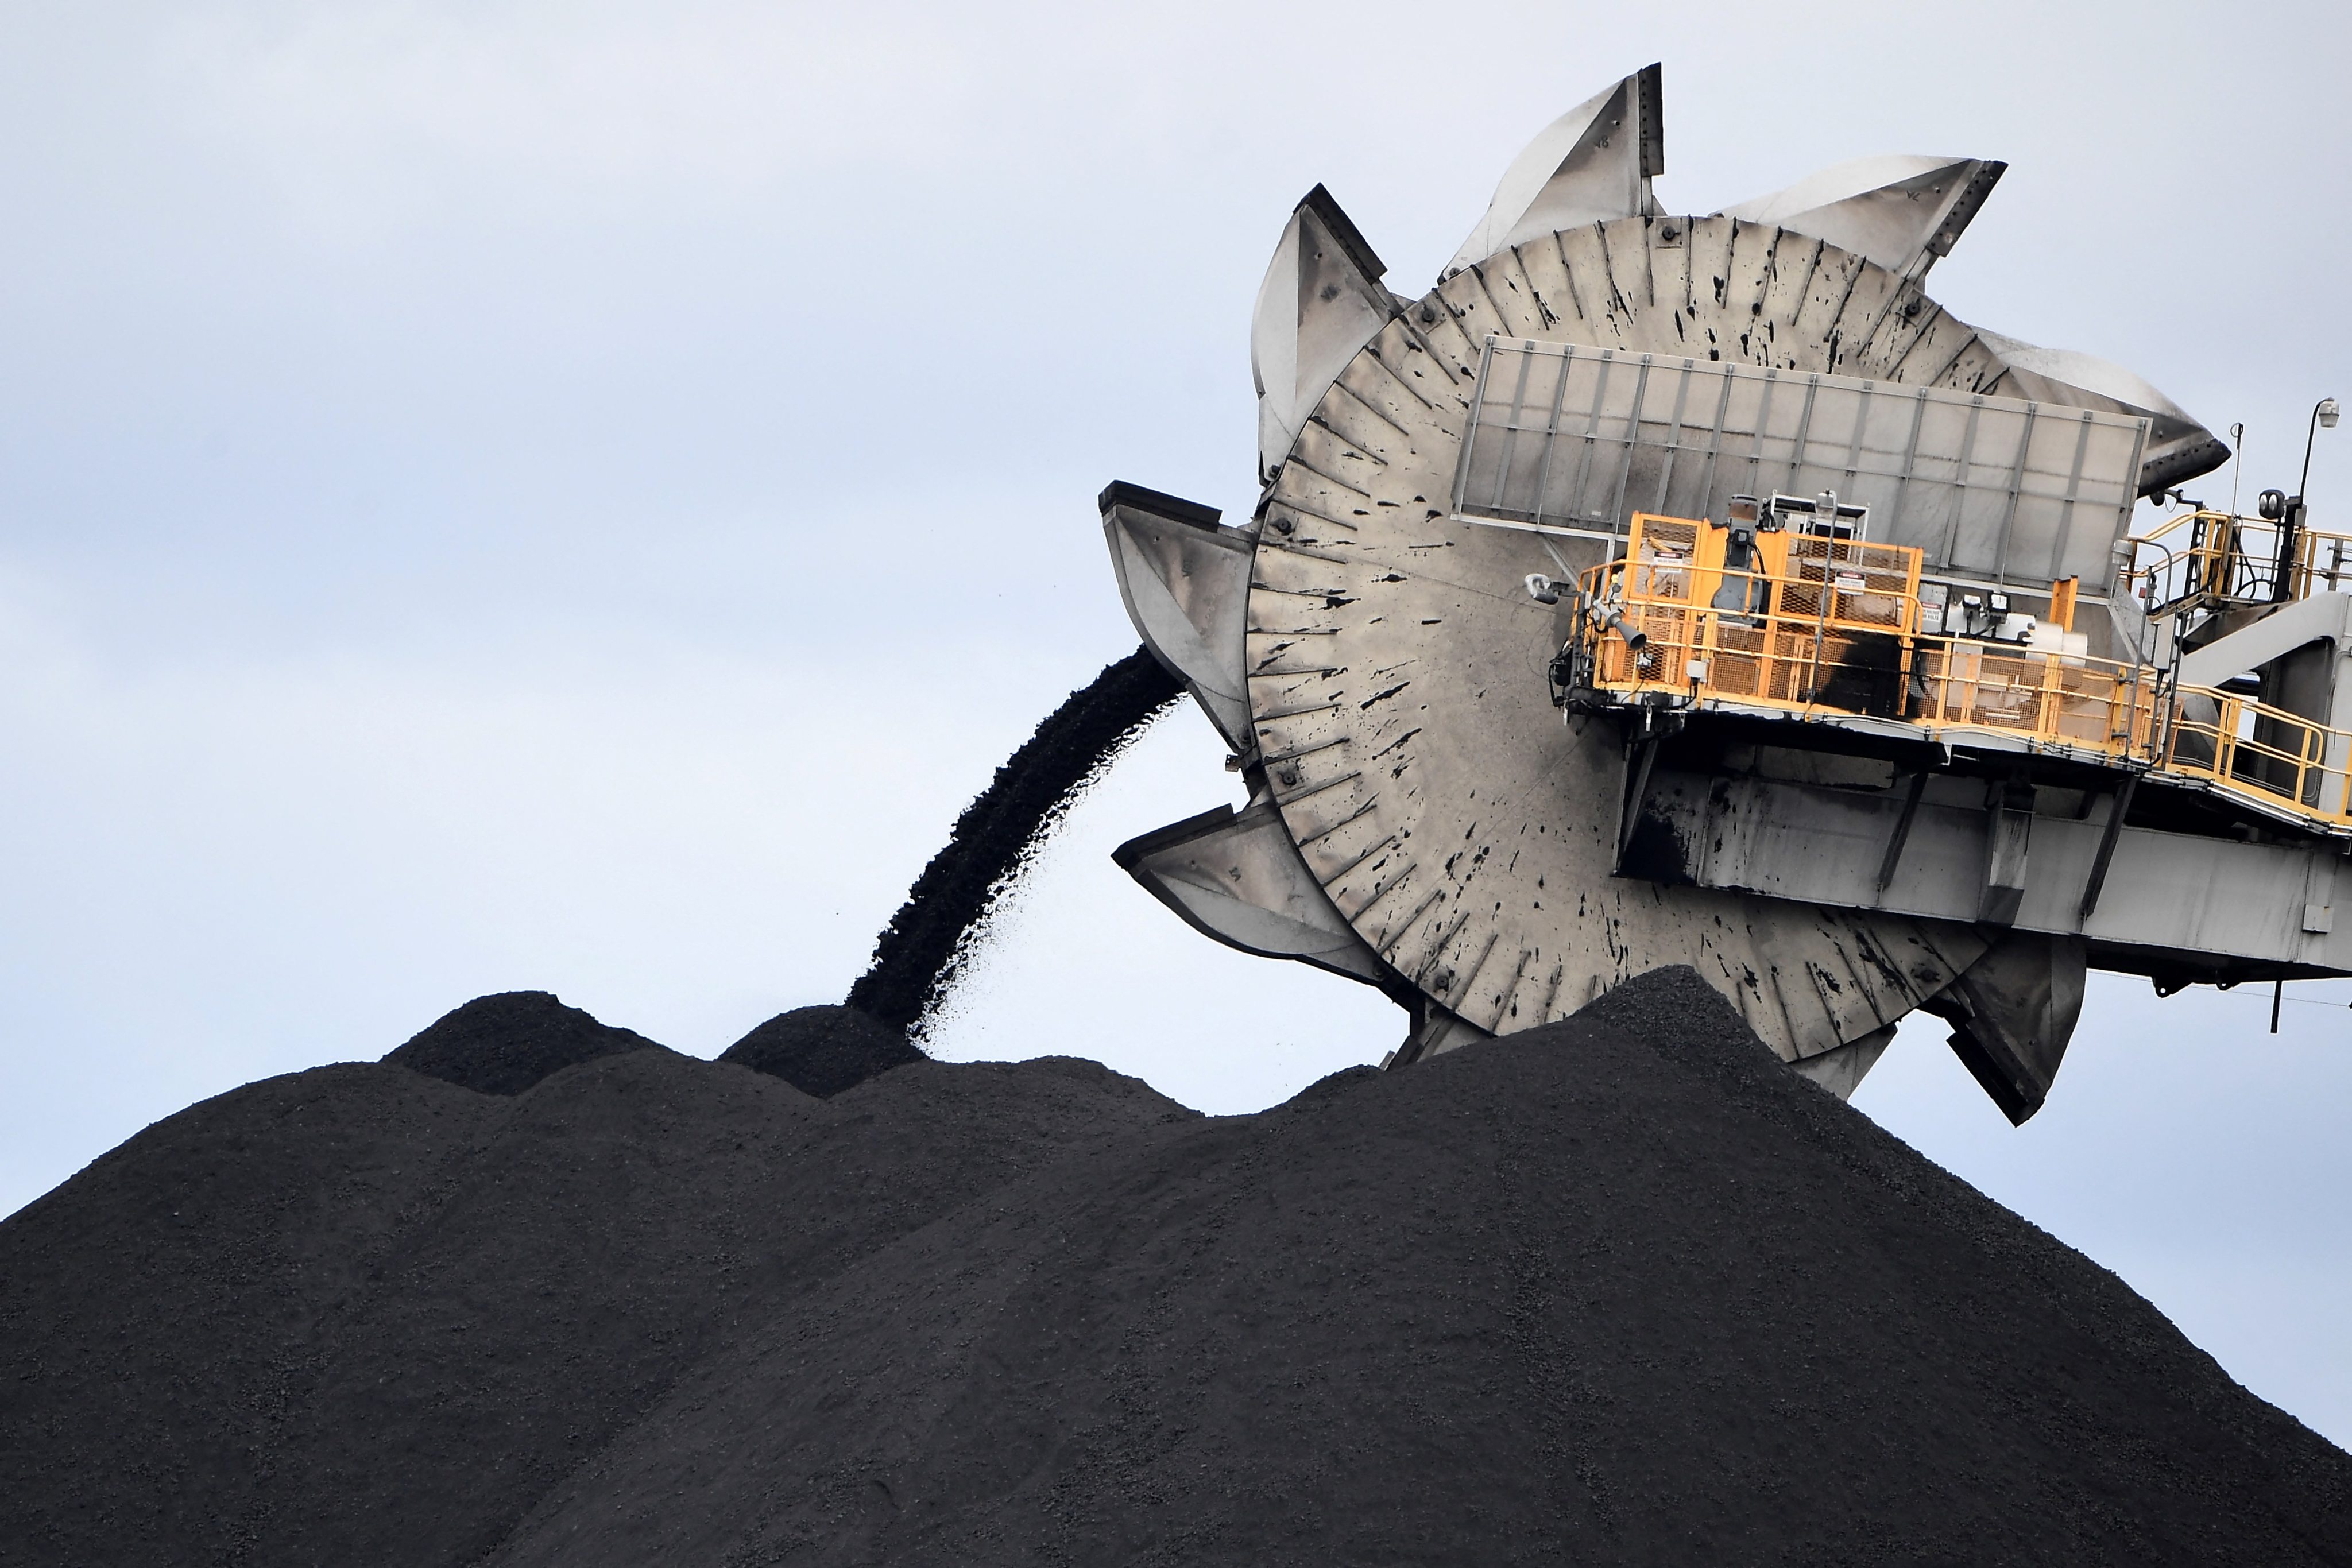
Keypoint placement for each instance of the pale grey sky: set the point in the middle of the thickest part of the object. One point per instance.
(575, 497)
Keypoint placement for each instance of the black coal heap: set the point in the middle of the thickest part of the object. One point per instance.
(1621, 1289)
(822, 1051)
(504, 1044)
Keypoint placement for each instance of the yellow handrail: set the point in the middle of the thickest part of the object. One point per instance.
(2229, 559)
(1801, 646)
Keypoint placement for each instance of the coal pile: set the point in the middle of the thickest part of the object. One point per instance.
(1621, 1289)
(503, 1044)
(362, 1315)
(823, 1051)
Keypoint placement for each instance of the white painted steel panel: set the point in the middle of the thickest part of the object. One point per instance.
(1577, 436)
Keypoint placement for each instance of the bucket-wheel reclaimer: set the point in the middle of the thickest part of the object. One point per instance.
(1667, 589)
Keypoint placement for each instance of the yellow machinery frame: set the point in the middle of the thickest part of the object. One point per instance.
(1785, 638)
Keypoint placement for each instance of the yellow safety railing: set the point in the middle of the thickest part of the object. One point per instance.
(2205, 557)
(1837, 661)
(1835, 638)
(2053, 699)
(2251, 748)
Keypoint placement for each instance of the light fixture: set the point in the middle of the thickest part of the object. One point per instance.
(2323, 415)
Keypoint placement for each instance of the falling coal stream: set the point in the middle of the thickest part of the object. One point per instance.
(923, 949)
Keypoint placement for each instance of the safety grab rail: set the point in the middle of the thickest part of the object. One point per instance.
(1829, 657)
(2230, 559)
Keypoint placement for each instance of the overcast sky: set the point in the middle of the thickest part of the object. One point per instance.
(574, 497)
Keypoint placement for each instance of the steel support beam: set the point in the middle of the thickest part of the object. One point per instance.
(2098, 877)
